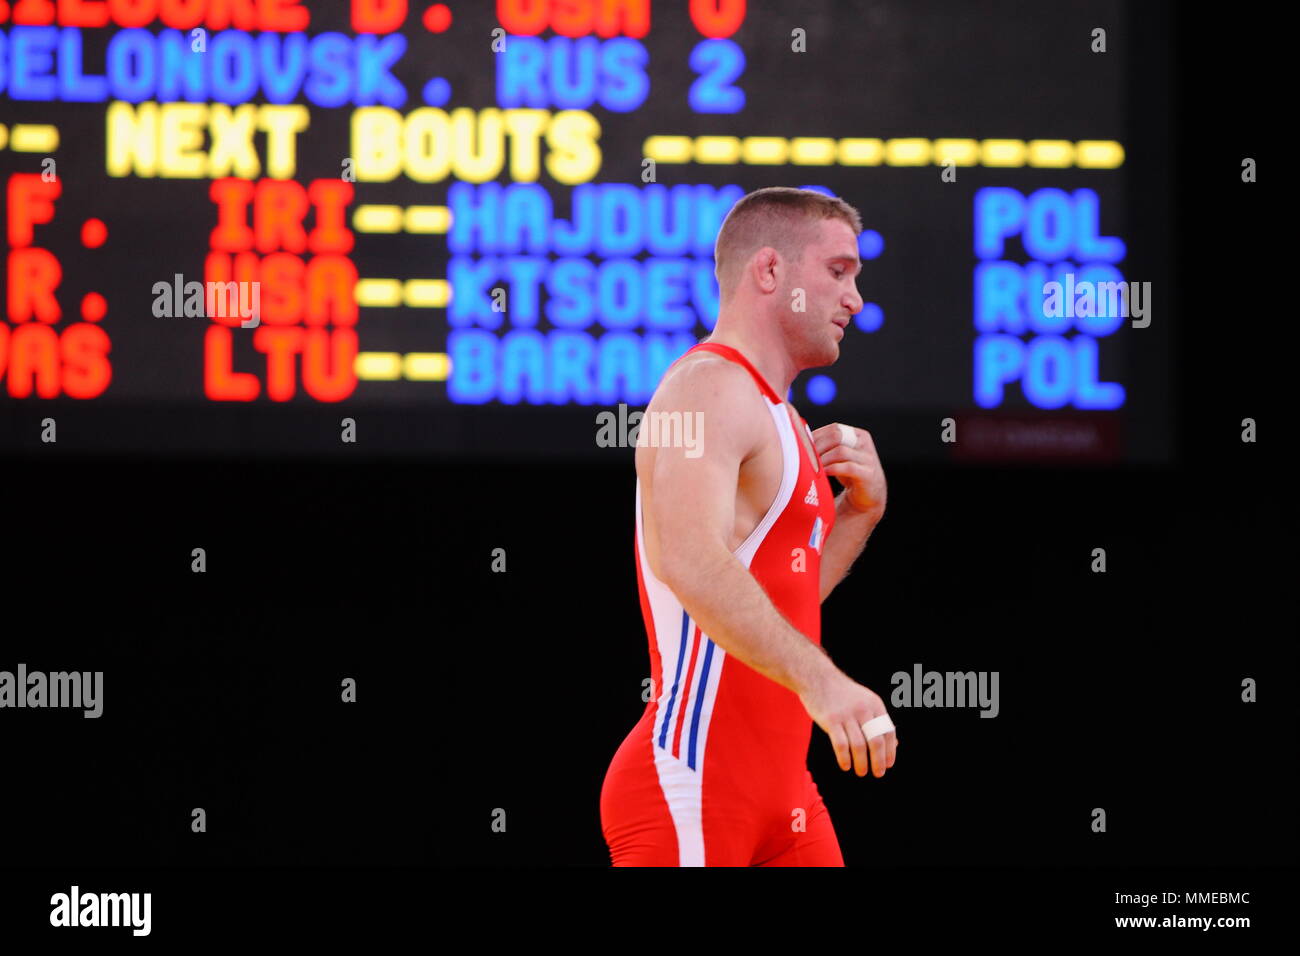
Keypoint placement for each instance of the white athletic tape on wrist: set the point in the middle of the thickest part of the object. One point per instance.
(877, 726)
(848, 436)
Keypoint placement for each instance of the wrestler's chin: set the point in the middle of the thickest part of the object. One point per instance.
(822, 353)
(832, 353)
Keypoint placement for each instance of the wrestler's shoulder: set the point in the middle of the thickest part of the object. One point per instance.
(704, 377)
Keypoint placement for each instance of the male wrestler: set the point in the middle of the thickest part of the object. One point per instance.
(736, 548)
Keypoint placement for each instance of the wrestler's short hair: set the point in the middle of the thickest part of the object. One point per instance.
(778, 216)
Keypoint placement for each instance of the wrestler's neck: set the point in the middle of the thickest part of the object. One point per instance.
(769, 358)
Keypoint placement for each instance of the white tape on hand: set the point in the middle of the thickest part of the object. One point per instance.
(877, 726)
(848, 436)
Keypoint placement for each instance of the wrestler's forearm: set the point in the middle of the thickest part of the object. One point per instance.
(734, 611)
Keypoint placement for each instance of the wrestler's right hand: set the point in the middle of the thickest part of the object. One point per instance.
(840, 706)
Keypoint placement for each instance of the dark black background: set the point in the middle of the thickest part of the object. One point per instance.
(481, 690)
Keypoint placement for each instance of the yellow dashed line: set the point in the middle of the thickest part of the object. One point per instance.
(1099, 154)
(908, 152)
(428, 219)
(427, 366)
(765, 150)
(902, 151)
(812, 151)
(959, 152)
(379, 293)
(861, 152)
(26, 138)
(669, 149)
(717, 149)
(377, 219)
(1057, 153)
(426, 293)
(416, 219)
(378, 366)
(1003, 152)
(413, 293)
(413, 366)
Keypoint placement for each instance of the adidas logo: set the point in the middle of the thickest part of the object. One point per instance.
(811, 497)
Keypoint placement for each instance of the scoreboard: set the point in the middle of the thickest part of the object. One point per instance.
(393, 227)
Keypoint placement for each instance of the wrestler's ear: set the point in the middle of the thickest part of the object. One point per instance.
(763, 266)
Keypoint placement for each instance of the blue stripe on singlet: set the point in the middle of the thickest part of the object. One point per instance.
(672, 699)
(699, 703)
